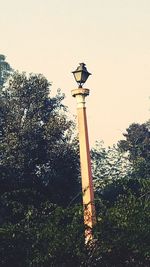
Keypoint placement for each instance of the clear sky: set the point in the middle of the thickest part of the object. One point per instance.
(111, 36)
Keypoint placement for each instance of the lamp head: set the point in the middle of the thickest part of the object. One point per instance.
(81, 74)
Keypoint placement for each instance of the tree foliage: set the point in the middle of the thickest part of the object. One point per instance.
(41, 224)
(137, 144)
(123, 230)
(52, 236)
(5, 69)
(37, 147)
(109, 165)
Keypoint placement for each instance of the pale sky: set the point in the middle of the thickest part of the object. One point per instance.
(111, 36)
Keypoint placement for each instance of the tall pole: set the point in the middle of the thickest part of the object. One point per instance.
(85, 162)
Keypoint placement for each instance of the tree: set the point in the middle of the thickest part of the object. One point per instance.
(53, 236)
(137, 144)
(110, 168)
(123, 203)
(47, 236)
(122, 166)
(5, 70)
(39, 224)
(39, 168)
(109, 165)
(123, 230)
(38, 150)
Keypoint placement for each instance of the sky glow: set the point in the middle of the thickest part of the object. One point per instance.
(113, 39)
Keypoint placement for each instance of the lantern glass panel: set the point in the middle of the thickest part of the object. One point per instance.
(77, 76)
(84, 77)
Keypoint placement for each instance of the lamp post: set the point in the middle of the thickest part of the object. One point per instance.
(81, 74)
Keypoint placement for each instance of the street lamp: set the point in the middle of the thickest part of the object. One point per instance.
(81, 75)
